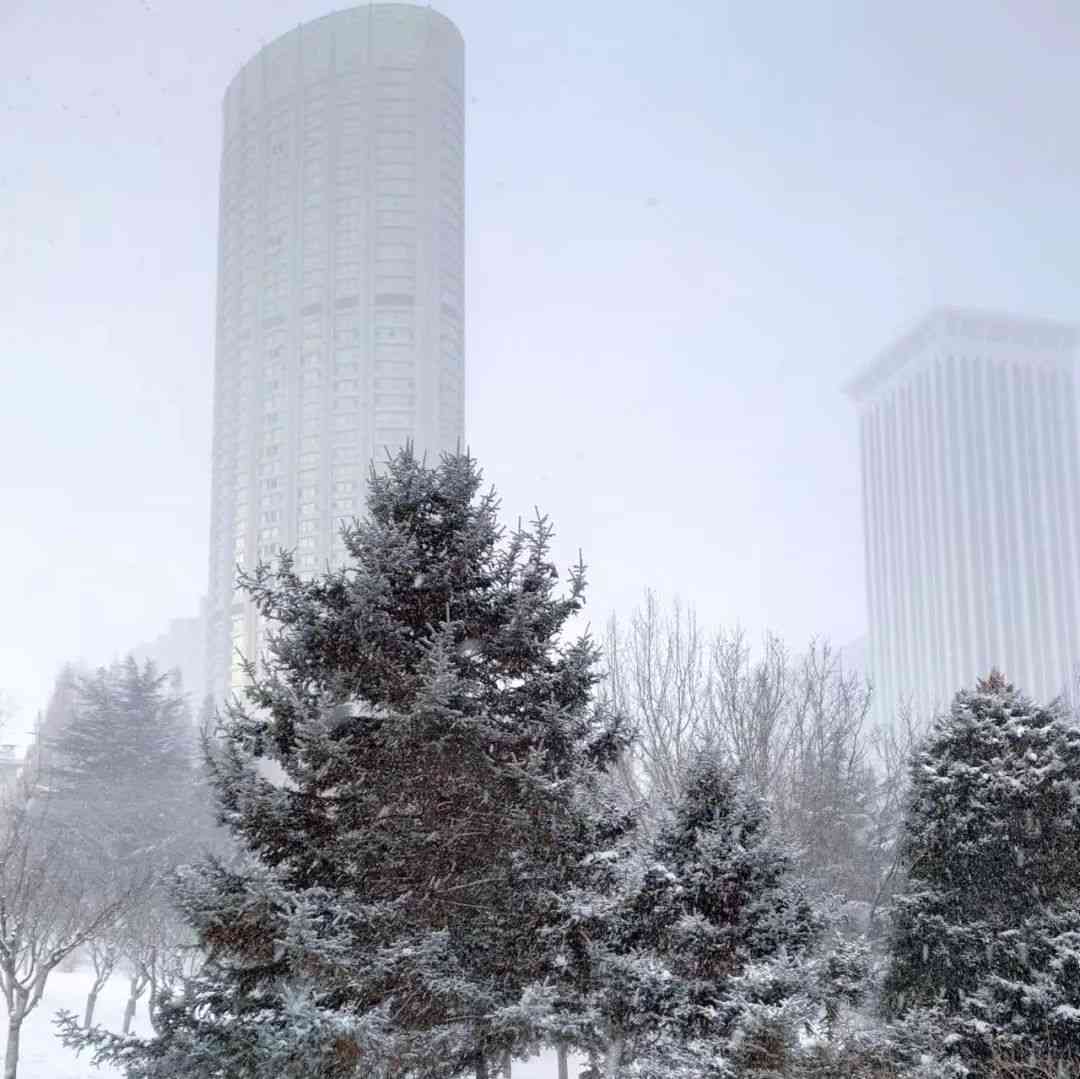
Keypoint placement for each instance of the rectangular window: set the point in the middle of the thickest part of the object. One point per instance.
(394, 270)
(389, 92)
(404, 123)
(394, 155)
(398, 170)
(401, 252)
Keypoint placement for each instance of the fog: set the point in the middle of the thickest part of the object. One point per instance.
(687, 227)
(771, 309)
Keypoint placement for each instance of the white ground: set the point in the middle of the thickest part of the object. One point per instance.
(43, 1057)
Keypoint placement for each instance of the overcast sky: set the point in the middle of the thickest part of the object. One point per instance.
(688, 225)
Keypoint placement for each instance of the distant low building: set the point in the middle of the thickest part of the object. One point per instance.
(971, 496)
(181, 647)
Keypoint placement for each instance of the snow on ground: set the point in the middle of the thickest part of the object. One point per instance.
(43, 1057)
(544, 1066)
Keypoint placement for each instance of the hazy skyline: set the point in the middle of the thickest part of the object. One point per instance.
(341, 290)
(686, 229)
(970, 473)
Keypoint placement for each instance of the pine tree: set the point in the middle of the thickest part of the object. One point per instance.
(120, 765)
(436, 745)
(117, 760)
(986, 929)
(698, 946)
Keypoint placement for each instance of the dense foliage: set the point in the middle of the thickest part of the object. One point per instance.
(412, 784)
(120, 766)
(695, 943)
(986, 931)
(442, 861)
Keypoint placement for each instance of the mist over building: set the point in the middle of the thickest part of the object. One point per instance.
(340, 310)
(970, 478)
(181, 647)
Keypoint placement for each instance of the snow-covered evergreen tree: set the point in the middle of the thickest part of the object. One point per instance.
(120, 765)
(434, 744)
(116, 759)
(987, 927)
(693, 954)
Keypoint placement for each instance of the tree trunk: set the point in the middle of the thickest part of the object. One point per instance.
(91, 1003)
(11, 1054)
(507, 1063)
(564, 1065)
(104, 959)
(613, 1057)
(129, 1013)
(137, 985)
(150, 1001)
(481, 1065)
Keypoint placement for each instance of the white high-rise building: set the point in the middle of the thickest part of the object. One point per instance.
(970, 483)
(340, 310)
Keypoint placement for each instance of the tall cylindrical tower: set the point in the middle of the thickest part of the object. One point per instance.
(340, 307)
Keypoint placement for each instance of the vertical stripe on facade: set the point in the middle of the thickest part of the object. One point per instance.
(970, 473)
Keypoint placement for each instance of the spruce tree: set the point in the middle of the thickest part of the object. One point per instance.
(987, 927)
(697, 942)
(435, 749)
(120, 766)
(117, 765)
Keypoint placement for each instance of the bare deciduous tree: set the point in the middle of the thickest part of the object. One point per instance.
(104, 953)
(159, 950)
(47, 907)
(825, 800)
(747, 706)
(658, 673)
(894, 748)
(796, 728)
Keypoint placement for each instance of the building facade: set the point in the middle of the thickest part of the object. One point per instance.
(970, 485)
(340, 304)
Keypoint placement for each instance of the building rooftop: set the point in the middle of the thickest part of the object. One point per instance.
(341, 20)
(966, 324)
